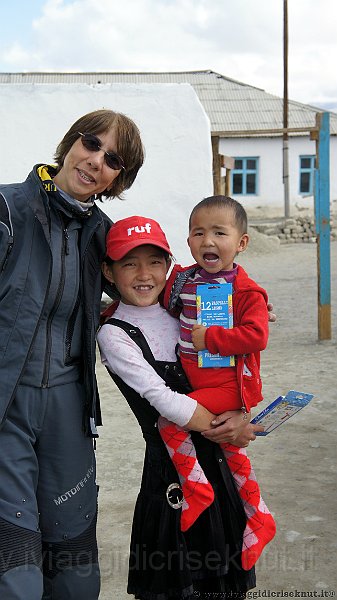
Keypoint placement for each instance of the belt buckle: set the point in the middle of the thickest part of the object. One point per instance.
(174, 495)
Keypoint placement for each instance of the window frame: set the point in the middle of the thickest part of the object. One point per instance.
(244, 172)
(310, 170)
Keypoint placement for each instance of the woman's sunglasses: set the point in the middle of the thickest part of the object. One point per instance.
(93, 144)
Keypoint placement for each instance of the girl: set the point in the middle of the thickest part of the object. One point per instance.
(138, 348)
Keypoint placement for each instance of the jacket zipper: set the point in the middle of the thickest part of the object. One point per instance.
(60, 289)
(9, 249)
(91, 425)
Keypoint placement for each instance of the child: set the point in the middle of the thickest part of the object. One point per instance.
(138, 348)
(217, 233)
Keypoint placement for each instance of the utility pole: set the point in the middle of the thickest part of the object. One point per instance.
(285, 111)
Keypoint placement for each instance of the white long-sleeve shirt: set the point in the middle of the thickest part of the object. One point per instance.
(124, 358)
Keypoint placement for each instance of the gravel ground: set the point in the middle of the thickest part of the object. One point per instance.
(295, 465)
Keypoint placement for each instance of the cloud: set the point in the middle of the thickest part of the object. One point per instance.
(242, 40)
(16, 54)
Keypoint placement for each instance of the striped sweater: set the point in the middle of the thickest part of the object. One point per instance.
(188, 315)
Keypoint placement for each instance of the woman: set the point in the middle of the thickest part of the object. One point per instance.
(52, 242)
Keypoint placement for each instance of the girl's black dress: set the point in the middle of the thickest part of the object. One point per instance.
(165, 563)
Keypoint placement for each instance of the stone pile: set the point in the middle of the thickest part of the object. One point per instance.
(294, 230)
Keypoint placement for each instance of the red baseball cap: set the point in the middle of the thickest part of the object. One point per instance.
(126, 234)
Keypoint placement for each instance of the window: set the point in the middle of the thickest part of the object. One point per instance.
(307, 170)
(244, 176)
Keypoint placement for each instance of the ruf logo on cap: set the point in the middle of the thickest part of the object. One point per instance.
(129, 233)
(140, 229)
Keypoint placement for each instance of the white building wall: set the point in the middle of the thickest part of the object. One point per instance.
(269, 151)
(175, 131)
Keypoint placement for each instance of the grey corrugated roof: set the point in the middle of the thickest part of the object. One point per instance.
(231, 105)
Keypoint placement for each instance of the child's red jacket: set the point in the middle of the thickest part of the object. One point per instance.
(247, 338)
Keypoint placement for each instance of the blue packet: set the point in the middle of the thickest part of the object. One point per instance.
(215, 307)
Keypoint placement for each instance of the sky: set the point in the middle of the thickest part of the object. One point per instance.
(241, 39)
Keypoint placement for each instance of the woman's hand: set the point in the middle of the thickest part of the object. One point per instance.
(271, 315)
(234, 427)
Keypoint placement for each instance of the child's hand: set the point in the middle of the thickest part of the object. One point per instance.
(198, 337)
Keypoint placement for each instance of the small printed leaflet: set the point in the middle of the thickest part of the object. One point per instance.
(215, 307)
(279, 411)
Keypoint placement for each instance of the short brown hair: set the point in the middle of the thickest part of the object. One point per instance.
(129, 145)
(240, 215)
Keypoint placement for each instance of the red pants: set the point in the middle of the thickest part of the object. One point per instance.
(216, 389)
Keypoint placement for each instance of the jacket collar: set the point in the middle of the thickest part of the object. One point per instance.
(40, 202)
